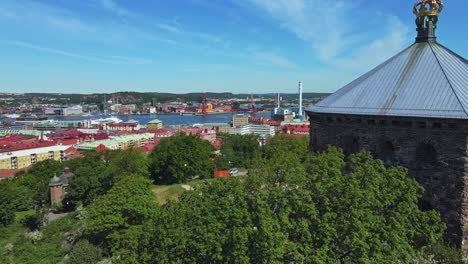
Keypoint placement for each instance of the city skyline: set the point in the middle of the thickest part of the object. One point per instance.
(259, 46)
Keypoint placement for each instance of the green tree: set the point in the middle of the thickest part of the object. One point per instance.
(7, 203)
(323, 210)
(181, 158)
(129, 203)
(280, 144)
(96, 173)
(130, 161)
(368, 214)
(209, 225)
(84, 252)
(36, 180)
(87, 184)
(238, 151)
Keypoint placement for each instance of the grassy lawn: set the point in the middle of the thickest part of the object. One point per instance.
(165, 193)
(21, 215)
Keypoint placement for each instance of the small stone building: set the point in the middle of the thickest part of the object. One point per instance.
(412, 111)
(58, 187)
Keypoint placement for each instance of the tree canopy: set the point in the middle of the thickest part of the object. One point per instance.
(238, 151)
(128, 203)
(324, 210)
(293, 207)
(180, 158)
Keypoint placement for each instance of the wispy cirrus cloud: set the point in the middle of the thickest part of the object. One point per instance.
(99, 59)
(322, 24)
(271, 59)
(169, 28)
(54, 22)
(41, 15)
(328, 27)
(183, 32)
(397, 35)
(113, 7)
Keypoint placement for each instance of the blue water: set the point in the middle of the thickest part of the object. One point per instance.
(166, 119)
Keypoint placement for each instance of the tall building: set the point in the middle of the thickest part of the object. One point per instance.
(412, 110)
(238, 120)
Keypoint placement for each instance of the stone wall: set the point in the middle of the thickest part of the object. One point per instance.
(434, 151)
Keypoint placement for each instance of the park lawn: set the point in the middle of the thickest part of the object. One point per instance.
(165, 193)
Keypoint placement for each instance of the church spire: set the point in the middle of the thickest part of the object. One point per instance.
(427, 15)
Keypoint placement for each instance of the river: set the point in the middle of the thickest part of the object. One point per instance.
(166, 119)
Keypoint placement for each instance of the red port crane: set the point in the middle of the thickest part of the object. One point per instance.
(252, 101)
(203, 102)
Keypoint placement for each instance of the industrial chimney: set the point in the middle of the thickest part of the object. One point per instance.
(301, 115)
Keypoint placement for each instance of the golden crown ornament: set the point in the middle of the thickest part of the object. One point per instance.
(428, 8)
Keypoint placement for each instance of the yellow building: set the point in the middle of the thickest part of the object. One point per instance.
(24, 158)
(119, 142)
(155, 124)
(238, 120)
(209, 108)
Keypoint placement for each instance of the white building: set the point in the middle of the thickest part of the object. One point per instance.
(251, 129)
(74, 110)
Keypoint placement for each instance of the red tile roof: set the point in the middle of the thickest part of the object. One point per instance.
(7, 173)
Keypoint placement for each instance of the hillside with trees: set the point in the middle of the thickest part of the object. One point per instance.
(292, 207)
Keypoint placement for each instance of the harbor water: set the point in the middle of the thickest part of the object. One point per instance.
(167, 119)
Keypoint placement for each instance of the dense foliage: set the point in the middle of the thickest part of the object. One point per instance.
(313, 214)
(7, 208)
(129, 203)
(238, 151)
(84, 253)
(293, 207)
(180, 158)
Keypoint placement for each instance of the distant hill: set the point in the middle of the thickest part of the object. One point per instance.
(139, 98)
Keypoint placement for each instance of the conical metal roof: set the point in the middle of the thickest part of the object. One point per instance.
(424, 80)
(55, 181)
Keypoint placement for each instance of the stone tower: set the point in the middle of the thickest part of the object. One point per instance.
(58, 187)
(57, 191)
(412, 111)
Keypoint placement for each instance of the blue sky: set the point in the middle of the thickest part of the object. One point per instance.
(181, 46)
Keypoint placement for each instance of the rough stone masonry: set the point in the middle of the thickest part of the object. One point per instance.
(434, 150)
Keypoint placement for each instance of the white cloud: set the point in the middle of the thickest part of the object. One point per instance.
(329, 28)
(320, 23)
(207, 37)
(169, 28)
(394, 37)
(27, 12)
(111, 59)
(271, 59)
(112, 6)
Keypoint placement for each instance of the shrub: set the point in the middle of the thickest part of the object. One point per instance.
(84, 252)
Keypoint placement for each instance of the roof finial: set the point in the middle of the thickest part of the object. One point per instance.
(435, 8)
(427, 18)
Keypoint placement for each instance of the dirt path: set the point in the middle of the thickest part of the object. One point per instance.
(160, 190)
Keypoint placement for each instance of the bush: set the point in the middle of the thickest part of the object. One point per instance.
(84, 252)
(33, 222)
